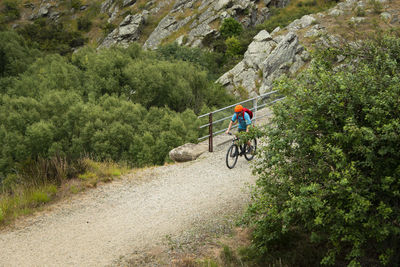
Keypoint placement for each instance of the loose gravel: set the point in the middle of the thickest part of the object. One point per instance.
(131, 215)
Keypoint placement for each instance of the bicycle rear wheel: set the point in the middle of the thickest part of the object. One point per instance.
(232, 156)
(249, 154)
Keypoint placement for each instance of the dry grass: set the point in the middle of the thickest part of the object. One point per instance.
(24, 199)
(223, 251)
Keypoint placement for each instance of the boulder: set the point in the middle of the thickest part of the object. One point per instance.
(335, 12)
(316, 30)
(386, 16)
(187, 152)
(299, 24)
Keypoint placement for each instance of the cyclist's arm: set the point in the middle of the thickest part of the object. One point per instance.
(233, 121)
(229, 127)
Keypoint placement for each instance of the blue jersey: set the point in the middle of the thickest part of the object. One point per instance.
(242, 122)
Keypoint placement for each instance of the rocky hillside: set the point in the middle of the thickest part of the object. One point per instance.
(196, 23)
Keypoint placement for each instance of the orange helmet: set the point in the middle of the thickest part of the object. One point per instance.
(238, 108)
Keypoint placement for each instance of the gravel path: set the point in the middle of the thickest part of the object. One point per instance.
(98, 227)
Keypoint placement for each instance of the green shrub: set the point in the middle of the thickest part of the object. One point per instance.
(84, 24)
(39, 198)
(51, 37)
(329, 177)
(76, 4)
(376, 6)
(10, 11)
(120, 104)
(233, 47)
(230, 27)
(108, 28)
(15, 55)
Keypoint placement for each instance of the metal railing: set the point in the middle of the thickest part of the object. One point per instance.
(255, 104)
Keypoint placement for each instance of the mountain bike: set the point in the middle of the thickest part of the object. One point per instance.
(236, 150)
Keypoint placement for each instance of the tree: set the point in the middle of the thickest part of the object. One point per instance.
(230, 27)
(329, 177)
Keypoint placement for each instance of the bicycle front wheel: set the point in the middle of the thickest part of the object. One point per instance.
(250, 152)
(232, 156)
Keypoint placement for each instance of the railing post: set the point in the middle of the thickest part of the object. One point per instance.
(210, 132)
(255, 108)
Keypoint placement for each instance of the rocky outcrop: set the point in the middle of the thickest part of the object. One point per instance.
(165, 28)
(247, 73)
(266, 59)
(128, 31)
(202, 26)
(187, 152)
(286, 58)
(44, 10)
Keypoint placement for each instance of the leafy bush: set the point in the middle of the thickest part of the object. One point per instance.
(10, 11)
(233, 47)
(329, 177)
(76, 4)
(114, 104)
(296, 9)
(15, 55)
(230, 27)
(210, 61)
(84, 23)
(52, 37)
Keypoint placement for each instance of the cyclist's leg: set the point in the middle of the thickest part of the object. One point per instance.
(242, 147)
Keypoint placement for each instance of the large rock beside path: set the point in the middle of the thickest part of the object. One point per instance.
(187, 152)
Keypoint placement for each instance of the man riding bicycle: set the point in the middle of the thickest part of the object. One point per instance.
(244, 121)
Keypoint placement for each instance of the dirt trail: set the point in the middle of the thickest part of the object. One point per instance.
(98, 227)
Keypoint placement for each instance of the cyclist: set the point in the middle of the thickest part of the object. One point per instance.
(244, 121)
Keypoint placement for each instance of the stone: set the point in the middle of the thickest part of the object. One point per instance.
(263, 15)
(83, 7)
(395, 19)
(201, 32)
(276, 30)
(187, 152)
(128, 3)
(222, 4)
(357, 20)
(180, 39)
(304, 22)
(267, 2)
(114, 13)
(386, 16)
(106, 5)
(315, 31)
(335, 12)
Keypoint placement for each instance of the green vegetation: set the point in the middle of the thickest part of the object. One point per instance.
(123, 105)
(329, 180)
(9, 12)
(230, 27)
(24, 200)
(50, 37)
(281, 17)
